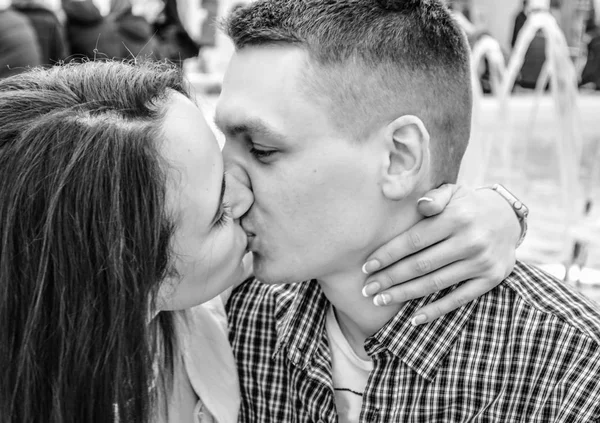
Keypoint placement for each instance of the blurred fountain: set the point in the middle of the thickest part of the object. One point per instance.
(559, 74)
(485, 51)
(501, 143)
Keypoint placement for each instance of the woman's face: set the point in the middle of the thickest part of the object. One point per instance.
(208, 243)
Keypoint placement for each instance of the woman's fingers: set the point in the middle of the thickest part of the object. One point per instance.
(472, 240)
(422, 235)
(436, 200)
(428, 262)
(464, 294)
(430, 231)
(439, 280)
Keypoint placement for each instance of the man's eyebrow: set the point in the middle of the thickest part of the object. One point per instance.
(220, 204)
(251, 127)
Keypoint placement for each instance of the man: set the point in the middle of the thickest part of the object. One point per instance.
(341, 114)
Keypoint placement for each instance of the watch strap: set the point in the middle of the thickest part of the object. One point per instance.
(520, 209)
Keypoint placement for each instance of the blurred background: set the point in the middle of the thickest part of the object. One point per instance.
(535, 70)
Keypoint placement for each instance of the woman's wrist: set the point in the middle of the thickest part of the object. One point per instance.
(519, 210)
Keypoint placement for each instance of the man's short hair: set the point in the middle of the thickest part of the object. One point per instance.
(374, 60)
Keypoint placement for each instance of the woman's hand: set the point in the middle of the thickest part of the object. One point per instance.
(468, 236)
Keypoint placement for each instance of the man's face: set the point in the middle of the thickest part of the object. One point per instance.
(317, 208)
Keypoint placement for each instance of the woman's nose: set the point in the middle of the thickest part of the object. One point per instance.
(238, 195)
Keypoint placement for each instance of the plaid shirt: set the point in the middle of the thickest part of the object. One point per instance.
(528, 351)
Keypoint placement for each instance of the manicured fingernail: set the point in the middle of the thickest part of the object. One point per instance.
(425, 200)
(419, 319)
(371, 266)
(371, 289)
(382, 300)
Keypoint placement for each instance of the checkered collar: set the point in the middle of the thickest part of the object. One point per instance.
(301, 325)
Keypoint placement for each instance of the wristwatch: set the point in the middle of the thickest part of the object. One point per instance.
(520, 209)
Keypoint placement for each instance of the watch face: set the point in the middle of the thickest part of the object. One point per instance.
(520, 208)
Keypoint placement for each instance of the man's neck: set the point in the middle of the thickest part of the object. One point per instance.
(357, 316)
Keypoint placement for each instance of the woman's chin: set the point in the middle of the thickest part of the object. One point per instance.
(247, 265)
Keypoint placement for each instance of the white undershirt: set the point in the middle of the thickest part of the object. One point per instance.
(350, 372)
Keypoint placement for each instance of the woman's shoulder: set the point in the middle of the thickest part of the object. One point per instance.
(209, 360)
(209, 313)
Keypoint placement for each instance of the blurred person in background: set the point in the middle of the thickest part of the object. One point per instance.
(49, 30)
(209, 29)
(519, 22)
(590, 76)
(19, 47)
(172, 29)
(535, 57)
(98, 29)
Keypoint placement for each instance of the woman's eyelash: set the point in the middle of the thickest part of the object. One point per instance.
(225, 216)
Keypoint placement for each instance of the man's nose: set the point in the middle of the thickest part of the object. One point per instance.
(238, 195)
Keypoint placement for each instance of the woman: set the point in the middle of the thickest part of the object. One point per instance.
(105, 222)
(113, 227)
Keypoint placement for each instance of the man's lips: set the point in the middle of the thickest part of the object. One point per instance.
(250, 233)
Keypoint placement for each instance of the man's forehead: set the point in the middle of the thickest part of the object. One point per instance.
(264, 71)
(234, 123)
(268, 55)
(269, 100)
(237, 99)
(231, 112)
(243, 106)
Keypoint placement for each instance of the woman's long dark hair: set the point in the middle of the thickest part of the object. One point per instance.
(84, 242)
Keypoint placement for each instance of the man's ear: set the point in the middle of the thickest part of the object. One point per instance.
(407, 156)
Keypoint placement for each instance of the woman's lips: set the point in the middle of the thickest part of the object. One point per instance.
(249, 234)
